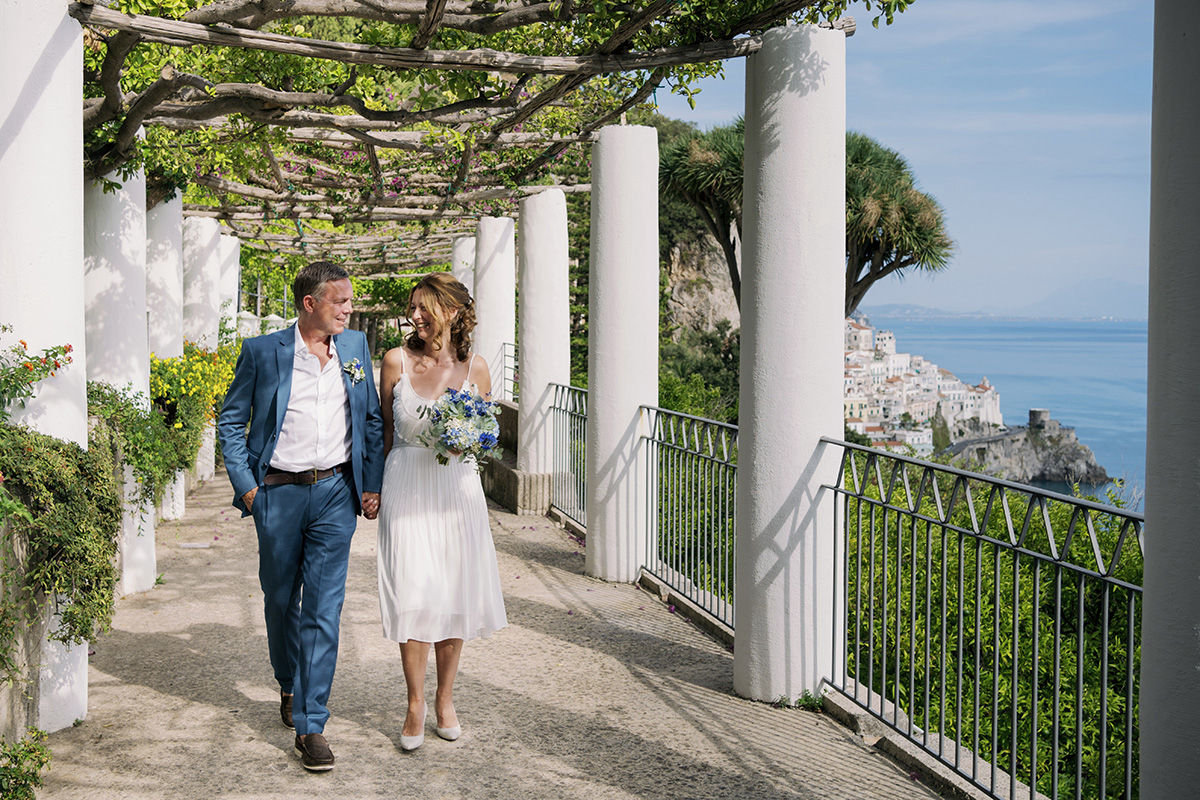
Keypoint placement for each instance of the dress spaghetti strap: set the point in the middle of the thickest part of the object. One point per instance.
(470, 364)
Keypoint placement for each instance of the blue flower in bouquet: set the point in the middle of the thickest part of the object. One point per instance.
(463, 425)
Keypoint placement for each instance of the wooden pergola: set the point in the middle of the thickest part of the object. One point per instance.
(393, 177)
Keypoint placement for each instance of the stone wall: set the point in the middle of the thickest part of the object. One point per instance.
(517, 491)
(19, 697)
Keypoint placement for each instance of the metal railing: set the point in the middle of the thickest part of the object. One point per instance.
(509, 385)
(691, 473)
(995, 625)
(568, 487)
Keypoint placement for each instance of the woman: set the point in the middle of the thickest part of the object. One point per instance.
(438, 580)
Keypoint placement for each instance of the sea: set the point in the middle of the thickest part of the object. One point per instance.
(1090, 374)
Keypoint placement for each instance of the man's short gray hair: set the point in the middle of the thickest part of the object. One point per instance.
(311, 280)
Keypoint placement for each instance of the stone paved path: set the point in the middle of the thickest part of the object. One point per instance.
(594, 691)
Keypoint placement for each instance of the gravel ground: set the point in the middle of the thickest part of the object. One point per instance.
(593, 691)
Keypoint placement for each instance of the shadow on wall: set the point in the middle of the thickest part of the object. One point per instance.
(115, 319)
(800, 78)
(62, 46)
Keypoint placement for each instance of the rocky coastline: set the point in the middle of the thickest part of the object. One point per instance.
(1043, 450)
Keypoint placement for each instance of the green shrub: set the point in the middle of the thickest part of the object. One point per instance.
(21, 765)
(154, 450)
(69, 537)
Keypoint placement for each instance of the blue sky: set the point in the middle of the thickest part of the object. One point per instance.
(1030, 123)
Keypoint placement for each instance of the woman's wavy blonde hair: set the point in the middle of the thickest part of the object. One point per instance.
(446, 301)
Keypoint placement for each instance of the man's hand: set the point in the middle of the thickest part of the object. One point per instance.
(248, 498)
(370, 504)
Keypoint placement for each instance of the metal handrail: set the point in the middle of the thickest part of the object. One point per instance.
(568, 490)
(509, 377)
(994, 624)
(691, 475)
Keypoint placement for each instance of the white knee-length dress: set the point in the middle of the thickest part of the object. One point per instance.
(438, 577)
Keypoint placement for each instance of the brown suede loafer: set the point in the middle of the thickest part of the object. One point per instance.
(314, 752)
(285, 709)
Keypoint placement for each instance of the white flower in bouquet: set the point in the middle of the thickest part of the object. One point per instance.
(462, 424)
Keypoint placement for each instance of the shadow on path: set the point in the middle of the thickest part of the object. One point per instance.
(594, 691)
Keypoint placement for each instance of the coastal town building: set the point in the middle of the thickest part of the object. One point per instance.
(893, 397)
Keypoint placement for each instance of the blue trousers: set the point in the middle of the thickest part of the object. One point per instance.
(304, 537)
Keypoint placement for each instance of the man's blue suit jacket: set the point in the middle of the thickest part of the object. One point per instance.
(262, 384)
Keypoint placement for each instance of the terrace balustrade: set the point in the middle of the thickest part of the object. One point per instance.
(995, 625)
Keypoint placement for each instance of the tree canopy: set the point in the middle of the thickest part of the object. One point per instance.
(398, 116)
(891, 225)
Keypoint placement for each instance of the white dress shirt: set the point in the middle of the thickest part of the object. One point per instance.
(316, 425)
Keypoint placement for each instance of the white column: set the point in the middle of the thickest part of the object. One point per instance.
(115, 284)
(201, 308)
(791, 385)
(1170, 685)
(495, 293)
(164, 306)
(248, 324)
(41, 260)
(273, 322)
(164, 277)
(462, 262)
(545, 349)
(229, 253)
(41, 203)
(201, 281)
(622, 345)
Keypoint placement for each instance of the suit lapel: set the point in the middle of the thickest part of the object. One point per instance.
(284, 356)
(345, 357)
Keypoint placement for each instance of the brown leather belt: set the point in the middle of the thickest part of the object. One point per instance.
(276, 477)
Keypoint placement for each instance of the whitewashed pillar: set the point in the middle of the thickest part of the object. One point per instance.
(248, 324)
(41, 260)
(164, 306)
(202, 308)
(230, 255)
(622, 346)
(118, 339)
(545, 340)
(791, 370)
(495, 293)
(164, 277)
(1170, 685)
(462, 262)
(201, 281)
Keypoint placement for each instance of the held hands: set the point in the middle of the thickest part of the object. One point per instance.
(370, 504)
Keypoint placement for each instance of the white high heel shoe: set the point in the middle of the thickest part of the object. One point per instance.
(409, 743)
(449, 734)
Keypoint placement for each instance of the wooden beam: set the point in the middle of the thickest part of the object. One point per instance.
(186, 34)
(474, 16)
(568, 84)
(434, 11)
(329, 213)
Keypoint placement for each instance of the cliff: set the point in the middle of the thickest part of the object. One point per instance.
(698, 291)
(1042, 451)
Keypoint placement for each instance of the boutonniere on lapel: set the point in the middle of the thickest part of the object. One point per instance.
(354, 369)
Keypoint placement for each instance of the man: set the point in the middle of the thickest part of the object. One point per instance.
(302, 438)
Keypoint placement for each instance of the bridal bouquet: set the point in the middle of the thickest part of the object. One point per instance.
(462, 424)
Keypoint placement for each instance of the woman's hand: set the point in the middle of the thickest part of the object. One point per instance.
(370, 504)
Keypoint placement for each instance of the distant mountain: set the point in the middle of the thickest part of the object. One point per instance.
(1109, 299)
(909, 311)
(1112, 300)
